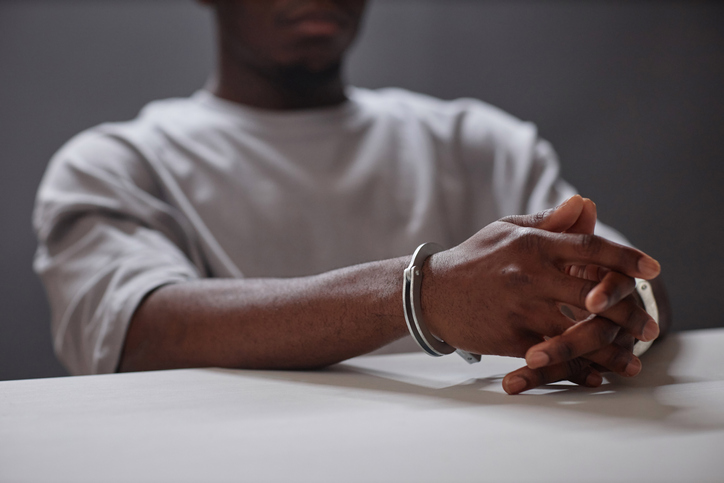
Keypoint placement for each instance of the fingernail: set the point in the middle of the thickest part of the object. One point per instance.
(594, 380)
(649, 268)
(633, 367)
(598, 302)
(537, 359)
(651, 331)
(515, 384)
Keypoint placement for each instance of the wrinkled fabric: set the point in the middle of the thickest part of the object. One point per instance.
(202, 187)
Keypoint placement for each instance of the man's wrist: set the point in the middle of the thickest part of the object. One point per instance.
(411, 292)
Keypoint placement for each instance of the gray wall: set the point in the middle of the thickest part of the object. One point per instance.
(630, 93)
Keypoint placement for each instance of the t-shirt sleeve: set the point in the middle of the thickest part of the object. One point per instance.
(106, 239)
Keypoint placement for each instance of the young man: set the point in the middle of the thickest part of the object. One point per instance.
(266, 223)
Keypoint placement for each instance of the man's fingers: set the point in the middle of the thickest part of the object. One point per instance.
(577, 370)
(626, 312)
(575, 249)
(589, 377)
(569, 290)
(617, 359)
(558, 219)
(611, 290)
(633, 318)
(582, 338)
(586, 221)
(587, 272)
(566, 249)
(596, 339)
(575, 215)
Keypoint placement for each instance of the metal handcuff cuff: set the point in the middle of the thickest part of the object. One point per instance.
(412, 280)
(643, 288)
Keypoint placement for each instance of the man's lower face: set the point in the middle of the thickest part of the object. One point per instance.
(314, 33)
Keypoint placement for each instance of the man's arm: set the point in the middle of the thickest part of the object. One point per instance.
(268, 323)
(494, 294)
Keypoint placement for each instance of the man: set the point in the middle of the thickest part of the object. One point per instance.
(266, 223)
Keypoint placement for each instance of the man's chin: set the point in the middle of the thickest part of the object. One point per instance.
(317, 52)
(308, 75)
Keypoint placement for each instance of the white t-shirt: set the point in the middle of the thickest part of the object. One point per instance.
(203, 187)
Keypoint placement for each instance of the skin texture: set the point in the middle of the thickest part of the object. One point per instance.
(500, 292)
(298, 323)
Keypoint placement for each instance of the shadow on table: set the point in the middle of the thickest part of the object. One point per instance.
(637, 399)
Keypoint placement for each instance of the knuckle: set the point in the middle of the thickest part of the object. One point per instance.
(607, 333)
(634, 317)
(555, 325)
(514, 219)
(618, 360)
(644, 319)
(564, 349)
(631, 317)
(539, 217)
(586, 287)
(625, 340)
(619, 285)
(536, 377)
(576, 366)
(515, 276)
(589, 244)
(613, 292)
(529, 240)
(599, 272)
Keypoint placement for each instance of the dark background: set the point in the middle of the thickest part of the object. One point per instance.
(630, 93)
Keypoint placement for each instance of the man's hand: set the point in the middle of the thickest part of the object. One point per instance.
(500, 292)
(556, 359)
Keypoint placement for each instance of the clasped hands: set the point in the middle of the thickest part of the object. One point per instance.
(501, 292)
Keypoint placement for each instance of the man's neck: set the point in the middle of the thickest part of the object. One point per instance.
(288, 88)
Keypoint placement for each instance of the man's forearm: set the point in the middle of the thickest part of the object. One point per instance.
(268, 323)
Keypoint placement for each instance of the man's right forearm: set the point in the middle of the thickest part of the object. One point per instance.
(268, 323)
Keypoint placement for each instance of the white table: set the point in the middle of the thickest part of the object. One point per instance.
(404, 417)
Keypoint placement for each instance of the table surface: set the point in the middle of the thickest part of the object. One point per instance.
(405, 417)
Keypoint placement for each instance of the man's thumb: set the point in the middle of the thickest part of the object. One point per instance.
(558, 219)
